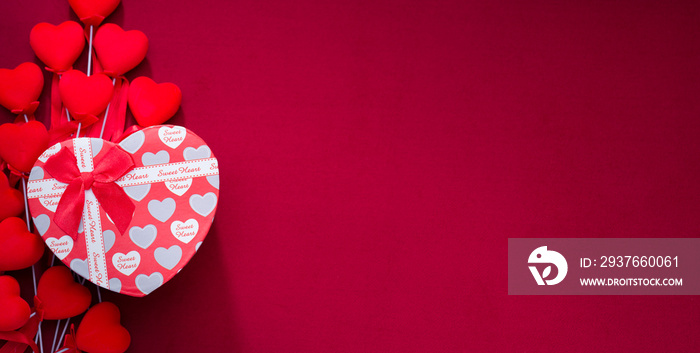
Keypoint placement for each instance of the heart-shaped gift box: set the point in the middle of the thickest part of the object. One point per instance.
(81, 193)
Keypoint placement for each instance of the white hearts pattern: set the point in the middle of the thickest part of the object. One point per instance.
(185, 231)
(174, 187)
(179, 187)
(115, 285)
(138, 192)
(161, 210)
(172, 136)
(203, 204)
(126, 263)
(148, 284)
(213, 181)
(36, 174)
(42, 223)
(96, 145)
(61, 247)
(200, 152)
(80, 267)
(133, 142)
(168, 258)
(143, 237)
(162, 157)
(109, 238)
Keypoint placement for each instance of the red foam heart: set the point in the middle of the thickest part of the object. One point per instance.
(101, 332)
(60, 295)
(119, 51)
(15, 311)
(57, 46)
(92, 12)
(18, 248)
(153, 103)
(11, 199)
(22, 144)
(20, 87)
(83, 95)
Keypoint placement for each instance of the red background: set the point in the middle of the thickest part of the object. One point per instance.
(376, 155)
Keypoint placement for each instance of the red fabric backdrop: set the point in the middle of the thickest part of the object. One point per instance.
(376, 155)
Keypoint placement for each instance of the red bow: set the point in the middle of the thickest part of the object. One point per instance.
(110, 167)
(69, 343)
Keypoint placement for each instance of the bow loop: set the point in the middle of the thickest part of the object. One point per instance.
(113, 163)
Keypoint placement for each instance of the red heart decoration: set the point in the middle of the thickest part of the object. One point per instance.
(119, 51)
(22, 144)
(83, 95)
(18, 248)
(15, 311)
(60, 295)
(57, 46)
(153, 103)
(21, 87)
(93, 12)
(11, 199)
(101, 332)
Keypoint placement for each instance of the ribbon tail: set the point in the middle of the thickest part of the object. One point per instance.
(69, 344)
(56, 104)
(62, 130)
(116, 203)
(122, 110)
(113, 118)
(70, 208)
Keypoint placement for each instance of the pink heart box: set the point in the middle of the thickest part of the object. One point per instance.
(174, 186)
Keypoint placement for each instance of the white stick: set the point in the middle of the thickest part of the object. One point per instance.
(29, 229)
(34, 279)
(26, 211)
(77, 133)
(53, 345)
(63, 334)
(26, 120)
(104, 120)
(89, 53)
(39, 339)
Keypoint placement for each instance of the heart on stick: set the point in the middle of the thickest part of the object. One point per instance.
(119, 51)
(84, 95)
(15, 311)
(11, 199)
(60, 295)
(22, 144)
(57, 46)
(20, 88)
(153, 103)
(100, 331)
(18, 247)
(93, 12)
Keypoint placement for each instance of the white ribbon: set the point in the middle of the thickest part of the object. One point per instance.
(97, 264)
